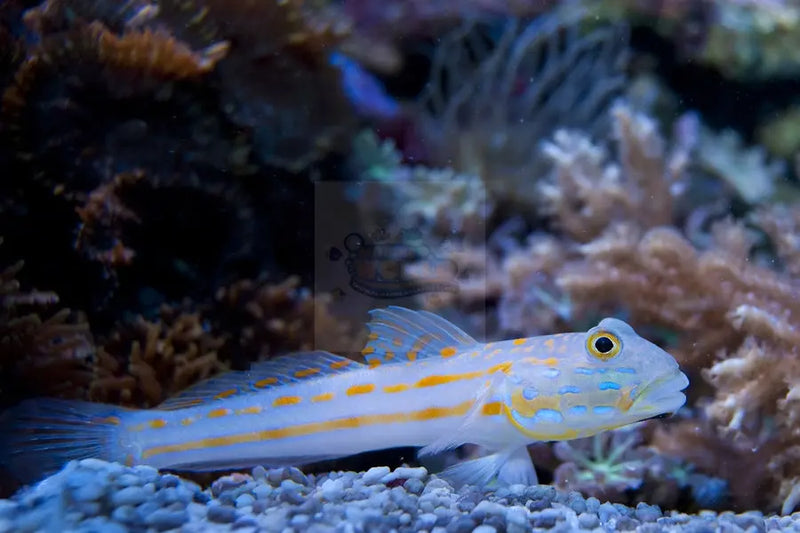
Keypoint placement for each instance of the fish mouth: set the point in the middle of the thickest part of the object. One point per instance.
(662, 395)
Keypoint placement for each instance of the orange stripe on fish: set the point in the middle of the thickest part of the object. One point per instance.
(299, 430)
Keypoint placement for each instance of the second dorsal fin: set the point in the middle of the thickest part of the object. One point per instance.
(398, 334)
(279, 371)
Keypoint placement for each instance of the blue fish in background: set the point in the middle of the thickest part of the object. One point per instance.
(364, 91)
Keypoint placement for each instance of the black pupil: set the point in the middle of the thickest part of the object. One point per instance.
(603, 345)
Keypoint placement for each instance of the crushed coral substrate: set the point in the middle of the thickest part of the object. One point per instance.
(96, 496)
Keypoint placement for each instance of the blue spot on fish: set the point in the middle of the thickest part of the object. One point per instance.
(577, 410)
(625, 370)
(585, 371)
(529, 393)
(604, 409)
(569, 389)
(548, 415)
(608, 385)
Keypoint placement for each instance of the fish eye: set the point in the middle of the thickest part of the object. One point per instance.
(603, 345)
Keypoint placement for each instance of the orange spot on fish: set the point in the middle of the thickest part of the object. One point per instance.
(360, 389)
(225, 394)
(389, 356)
(254, 410)
(187, 421)
(374, 363)
(412, 355)
(449, 351)
(339, 364)
(368, 350)
(625, 401)
(396, 388)
(261, 383)
(519, 342)
(492, 408)
(325, 397)
(432, 381)
(397, 342)
(286, 400)
(504, 367)
(217, 413)
(372, 336)
(550, 343)
(113, 420)
(157, 423)
(306, 372)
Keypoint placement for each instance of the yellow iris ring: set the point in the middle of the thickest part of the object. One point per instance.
(603, 356)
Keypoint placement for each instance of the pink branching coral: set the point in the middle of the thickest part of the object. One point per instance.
(735, 313)
(587, 192)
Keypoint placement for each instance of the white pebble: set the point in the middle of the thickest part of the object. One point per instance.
(405, 472)
(375, 474)
(332, 489)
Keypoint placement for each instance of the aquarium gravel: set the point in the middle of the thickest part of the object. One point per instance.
(97, 496)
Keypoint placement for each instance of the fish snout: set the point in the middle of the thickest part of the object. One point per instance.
(662, 395)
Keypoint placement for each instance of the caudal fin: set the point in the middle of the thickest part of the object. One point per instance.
(40, 436)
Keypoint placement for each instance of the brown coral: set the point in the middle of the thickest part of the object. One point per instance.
(265, 320)
(99, 215)
(143, 362)
(133, 61)
(276, 78)
(154, 53)
(40, 356)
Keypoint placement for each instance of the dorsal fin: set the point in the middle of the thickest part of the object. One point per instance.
(400, 334)
(279, 371)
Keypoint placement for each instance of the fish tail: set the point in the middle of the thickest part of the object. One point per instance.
(39, 436)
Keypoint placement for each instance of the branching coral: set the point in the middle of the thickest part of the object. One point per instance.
(735, 313)
(587, 192)
(746, 170)
(40, 355)
(144, 362)
(439, 203)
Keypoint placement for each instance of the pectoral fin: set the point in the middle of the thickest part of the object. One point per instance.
(466, 431)
(506, 467)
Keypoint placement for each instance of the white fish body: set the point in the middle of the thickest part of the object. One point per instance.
(427, 384)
